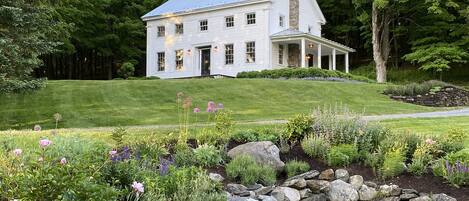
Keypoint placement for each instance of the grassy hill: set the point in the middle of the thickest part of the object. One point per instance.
(143, 102)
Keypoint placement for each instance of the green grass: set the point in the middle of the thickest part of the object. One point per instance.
(85, 104)
(429, 126)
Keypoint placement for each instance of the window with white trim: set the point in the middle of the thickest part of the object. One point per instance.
(281, 21)
(161, 31)
(281, 49)
(229, 54)
(251, 18)
(161, 61)
(203, 25)
(229, 21)
(180, 29)
(179, 59)
(251, 52)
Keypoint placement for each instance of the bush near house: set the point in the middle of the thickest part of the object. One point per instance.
(291, 73)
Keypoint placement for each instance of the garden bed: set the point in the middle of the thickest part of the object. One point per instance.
(446, 97)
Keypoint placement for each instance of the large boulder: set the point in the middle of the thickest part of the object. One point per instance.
(318, 186)
(367, 193)
(442, 197)
(356, 181)
(264, 152)
(289, 194)
(342, 174)
(327, 175)
(342, 191)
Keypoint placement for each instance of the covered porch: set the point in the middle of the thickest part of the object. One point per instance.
(293, 48)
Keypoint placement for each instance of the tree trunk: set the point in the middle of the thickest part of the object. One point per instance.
(380, 39)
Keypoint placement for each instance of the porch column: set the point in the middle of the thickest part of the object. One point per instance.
(334, 59)
(330, 61)
(346, 63)
(303, 53)
(319, 55)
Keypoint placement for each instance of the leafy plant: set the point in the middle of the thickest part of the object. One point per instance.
(184, 157)
(301, 73)
(295, 167)
(251, 135)
(126, 70)
(118, 135)
(207, 155)
(342, 155)
(394, 163)
(298, 126)
(315, 146)
(224, 122)
(414, 89)
(249, 172)
(421, 158)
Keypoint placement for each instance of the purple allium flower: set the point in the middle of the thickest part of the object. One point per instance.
(196, 110)
(211, 107)
(37, 128)
(138, 187)
(17, 152)
(220, 106)
(63, 161)
(44, 143)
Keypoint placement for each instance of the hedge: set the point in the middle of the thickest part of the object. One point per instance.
(20, 86)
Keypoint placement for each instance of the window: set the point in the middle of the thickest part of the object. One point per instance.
(179, 59)
(179, 29)
(281, 49)
(203, 25)
(251, 18)
(250, 52)
(229, 54)
(281, 21)
(229, 21)
(161, 61)
(161, 31)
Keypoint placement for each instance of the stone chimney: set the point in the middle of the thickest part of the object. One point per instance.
(294, 14)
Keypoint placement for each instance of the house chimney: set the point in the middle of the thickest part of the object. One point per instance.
(294, 14)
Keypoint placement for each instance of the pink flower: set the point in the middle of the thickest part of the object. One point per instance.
(40, 159)
(17, 152)
(138, 187)
(44, 143)
(211, 107)
(112, 153)
(63, 161)
(196, 110)
(37, 128)
(430, 141)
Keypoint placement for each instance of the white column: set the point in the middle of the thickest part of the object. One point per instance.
(334, 59)
(303, 53)
(346, 63)
(330, 61)
(319, 55)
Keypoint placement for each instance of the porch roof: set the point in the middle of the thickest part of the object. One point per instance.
(292, 34)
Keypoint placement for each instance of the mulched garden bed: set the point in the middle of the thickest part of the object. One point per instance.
(448, 96)
(426, 183)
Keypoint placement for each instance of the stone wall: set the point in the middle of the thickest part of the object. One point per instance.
(294, 14)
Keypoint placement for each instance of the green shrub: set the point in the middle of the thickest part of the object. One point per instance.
(184, 157)
(264, 134)
(421, 158)
(20, 86)
(298, 127)
(224, 123)
(295, 167)
(212, 137)
(414, 89)
(393, 164)
(207, 155)
(411, 141)
(342, 155)
(315, 146)
(454, 168)
(249, 172)
(118, 135)
(126, 70)
(453, 141)
(301, 73)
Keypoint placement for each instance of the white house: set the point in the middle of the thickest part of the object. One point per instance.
(190, 38)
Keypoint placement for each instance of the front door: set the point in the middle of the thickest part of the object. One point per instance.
(205, 61)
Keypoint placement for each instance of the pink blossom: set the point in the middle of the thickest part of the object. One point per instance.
(430, 141)
(44, 143)
(196, 110)
(17, 152)
(112, 153)
(211, 107)
(138, 187)
(63, 161)
(37, 128)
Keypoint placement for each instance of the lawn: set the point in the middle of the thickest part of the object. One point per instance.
(85, 104)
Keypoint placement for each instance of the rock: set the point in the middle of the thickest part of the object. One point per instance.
(407, 190)
(267, 198)
(264, 152)
(264, 190)
(396, 191)
(307, 175)
(385, 190)
(327, 175)
(367, 193)
(216, 177)
(407, 196)
(295, 183)
(342, 174)
(236, 189)
(371, 184)
(237, 198)
(290, 194)
(421, 198)
(342, 191)
(254, 187)
(318, 186)
(356, 181)
(278, 195)
(442, 197)
(305, 193)
(390, 199)
(316, 197)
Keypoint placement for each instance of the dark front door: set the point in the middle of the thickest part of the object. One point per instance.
(205, 61)
(310, 60)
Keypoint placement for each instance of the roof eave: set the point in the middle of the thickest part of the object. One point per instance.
(320, 39)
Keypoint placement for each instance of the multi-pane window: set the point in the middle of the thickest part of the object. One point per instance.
(251, 18)
(229, 21)
(203, 25)
(179, 29)
(251, 52)
(281, 21)
(229, 54)
(161, 61)
(179, 59)
(281, 49)
(161, 31)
